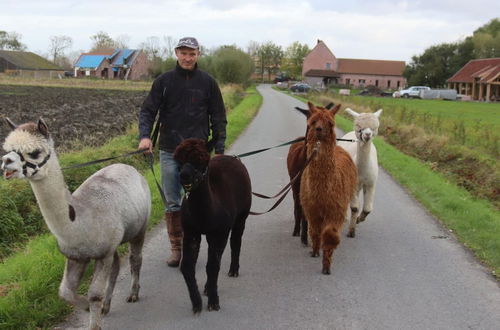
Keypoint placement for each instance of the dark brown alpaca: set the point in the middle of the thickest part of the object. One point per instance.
(295, 162)
(328, 183)
(217, 203)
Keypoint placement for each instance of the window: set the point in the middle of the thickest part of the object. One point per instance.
(376, 83)
(328, 66)
(399, 84)
(388, 84)
(348, 81)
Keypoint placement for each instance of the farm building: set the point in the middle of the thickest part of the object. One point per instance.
(321, 67)
(27, 64)
(479, 79)
(113, 64)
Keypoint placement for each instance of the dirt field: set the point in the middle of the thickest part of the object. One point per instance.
(84, 116)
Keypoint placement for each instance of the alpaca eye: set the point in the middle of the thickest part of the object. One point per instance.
(34, 154)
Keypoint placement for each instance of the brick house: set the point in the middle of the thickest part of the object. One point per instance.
(127, 64)
(321, 67)
(479, 79)
(28, 64)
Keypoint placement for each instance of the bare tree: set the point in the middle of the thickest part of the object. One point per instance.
(102, 41)
(122, 41)
(151, 47)
(169, 48)
(58, 44)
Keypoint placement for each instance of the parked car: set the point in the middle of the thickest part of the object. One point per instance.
(413, 91)
(300, 88)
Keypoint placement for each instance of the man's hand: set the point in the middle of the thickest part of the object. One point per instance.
(146, 143)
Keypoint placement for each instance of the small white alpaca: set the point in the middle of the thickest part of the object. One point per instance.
(111, 207)
(364, 155)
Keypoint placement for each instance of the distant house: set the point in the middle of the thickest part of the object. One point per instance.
(28, 64)
(479, 79)
(321, 67)
(114, 64)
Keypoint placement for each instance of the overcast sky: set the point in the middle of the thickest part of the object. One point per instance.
(388, 30)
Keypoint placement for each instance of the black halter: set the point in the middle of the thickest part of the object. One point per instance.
(27, 164)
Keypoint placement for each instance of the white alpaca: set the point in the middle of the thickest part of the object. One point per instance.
(364, 155)
(111, 207)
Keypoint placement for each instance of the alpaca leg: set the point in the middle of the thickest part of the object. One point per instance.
(73, 273)
(354, 213)
(190, 250)
(97, 290)
(115, 269)
(330, 239)
(303, 234)
(297, 213)
(315, 234)
(216, 245)
(236, 235)
(135, 261)
(368, 196)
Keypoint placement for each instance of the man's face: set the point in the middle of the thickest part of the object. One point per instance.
(187, 57)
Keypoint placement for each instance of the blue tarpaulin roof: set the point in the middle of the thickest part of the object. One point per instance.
(124, 54)
(90, 61)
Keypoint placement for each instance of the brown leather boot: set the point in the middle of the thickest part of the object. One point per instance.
(174, 229)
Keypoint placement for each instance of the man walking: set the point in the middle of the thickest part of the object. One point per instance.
(190, 105)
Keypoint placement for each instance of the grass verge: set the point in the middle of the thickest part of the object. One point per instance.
(29, 279)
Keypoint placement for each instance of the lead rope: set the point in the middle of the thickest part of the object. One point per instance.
(288, 187)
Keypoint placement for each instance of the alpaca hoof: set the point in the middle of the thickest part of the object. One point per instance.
(360, 220)
(352, 233)
(304, 242)
(196, 310)
(105, 309)
(233, 273)
(213, 307)
(295, 233)
(314, 254)
(326, 271)
(132, 298)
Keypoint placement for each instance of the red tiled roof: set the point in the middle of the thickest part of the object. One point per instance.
(378, 67)
(321, 73)
(485, 69)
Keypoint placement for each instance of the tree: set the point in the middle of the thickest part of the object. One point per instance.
(232, 65)
(270, 56)
(169, 49)
(294, 58)
(58, 44)
(440, 62)
(102, 41)
(11, 41)
(122, 41)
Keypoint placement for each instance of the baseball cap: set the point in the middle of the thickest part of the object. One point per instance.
(189, 42)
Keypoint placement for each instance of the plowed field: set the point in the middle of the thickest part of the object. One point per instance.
(74, 115)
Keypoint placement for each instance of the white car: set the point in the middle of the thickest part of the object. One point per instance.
(413, 91)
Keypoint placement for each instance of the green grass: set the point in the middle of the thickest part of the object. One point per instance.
(474, 221)
(29, 279)
(474, 124)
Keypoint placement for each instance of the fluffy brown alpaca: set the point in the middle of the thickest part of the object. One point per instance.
(328, 183)
(295, 162)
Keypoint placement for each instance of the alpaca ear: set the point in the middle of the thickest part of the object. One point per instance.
(378, 113)
(42, 127)
(335, 109)
(305, 112)
(352, 112)
(329, 105)
(10, 123)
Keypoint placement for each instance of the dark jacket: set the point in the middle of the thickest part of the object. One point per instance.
(191, 106)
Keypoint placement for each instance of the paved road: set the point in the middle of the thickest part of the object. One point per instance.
(394, 275)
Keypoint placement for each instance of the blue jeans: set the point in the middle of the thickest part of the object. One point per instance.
(172, 187)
